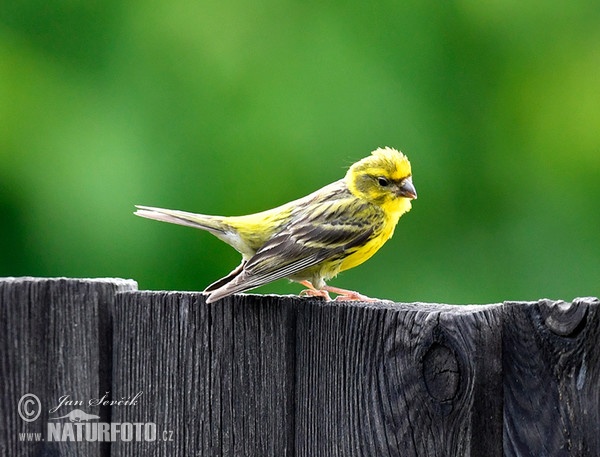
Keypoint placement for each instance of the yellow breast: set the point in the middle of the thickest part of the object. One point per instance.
(393, 212)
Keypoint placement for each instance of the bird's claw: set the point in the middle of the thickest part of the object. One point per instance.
(355, 296)
(315, 293)
(349, 295)
(342, 294)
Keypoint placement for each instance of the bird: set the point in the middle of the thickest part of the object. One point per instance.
(311, 239)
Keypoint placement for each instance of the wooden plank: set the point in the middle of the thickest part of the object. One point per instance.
(220, 377)
(551, 378)
(399, 380)
(279, 376)
(282, 376)
(55, 341)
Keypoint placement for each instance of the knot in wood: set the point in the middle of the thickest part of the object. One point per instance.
(564, 319)
(441, 372)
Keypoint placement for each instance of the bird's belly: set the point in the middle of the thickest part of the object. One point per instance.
(362, 254)
(366, 251)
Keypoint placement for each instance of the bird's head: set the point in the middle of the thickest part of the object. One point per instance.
(384, 178)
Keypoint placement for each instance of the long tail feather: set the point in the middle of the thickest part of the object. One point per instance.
(211, 223)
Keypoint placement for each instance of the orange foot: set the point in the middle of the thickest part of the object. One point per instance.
(311, 291)
(348, 295)
(342, 294)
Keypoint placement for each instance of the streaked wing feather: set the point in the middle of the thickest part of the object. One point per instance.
(221, 282)
(246, 281)
(303, 244)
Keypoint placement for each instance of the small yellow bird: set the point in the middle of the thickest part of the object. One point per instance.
(312, 239)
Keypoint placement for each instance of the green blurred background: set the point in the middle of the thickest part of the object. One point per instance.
(231, 107)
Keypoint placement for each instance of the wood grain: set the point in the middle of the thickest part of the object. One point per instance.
(399, 380)
(551, 378)
(55, 340)
(219, 376)
(287, 376)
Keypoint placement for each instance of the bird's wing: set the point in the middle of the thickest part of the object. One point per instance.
(308, 240)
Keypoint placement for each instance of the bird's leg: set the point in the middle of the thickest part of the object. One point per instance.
(311, 291)
(348, 295)
(342, 294)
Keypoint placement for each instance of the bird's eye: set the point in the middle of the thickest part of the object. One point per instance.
(383, 182)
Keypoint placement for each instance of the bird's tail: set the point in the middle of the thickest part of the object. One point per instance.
(213, 224)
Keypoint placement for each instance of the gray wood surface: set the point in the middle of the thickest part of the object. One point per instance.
(220, 377)
(399, 380)
(286, 376)
(55, 340)
(552, 378)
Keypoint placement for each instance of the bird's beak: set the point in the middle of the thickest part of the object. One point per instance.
(407, 189)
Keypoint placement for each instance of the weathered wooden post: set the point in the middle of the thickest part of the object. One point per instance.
(286, 376)
(551, 375)
(55, 341)
(218, 379)
(280, 376)
(399, 380)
